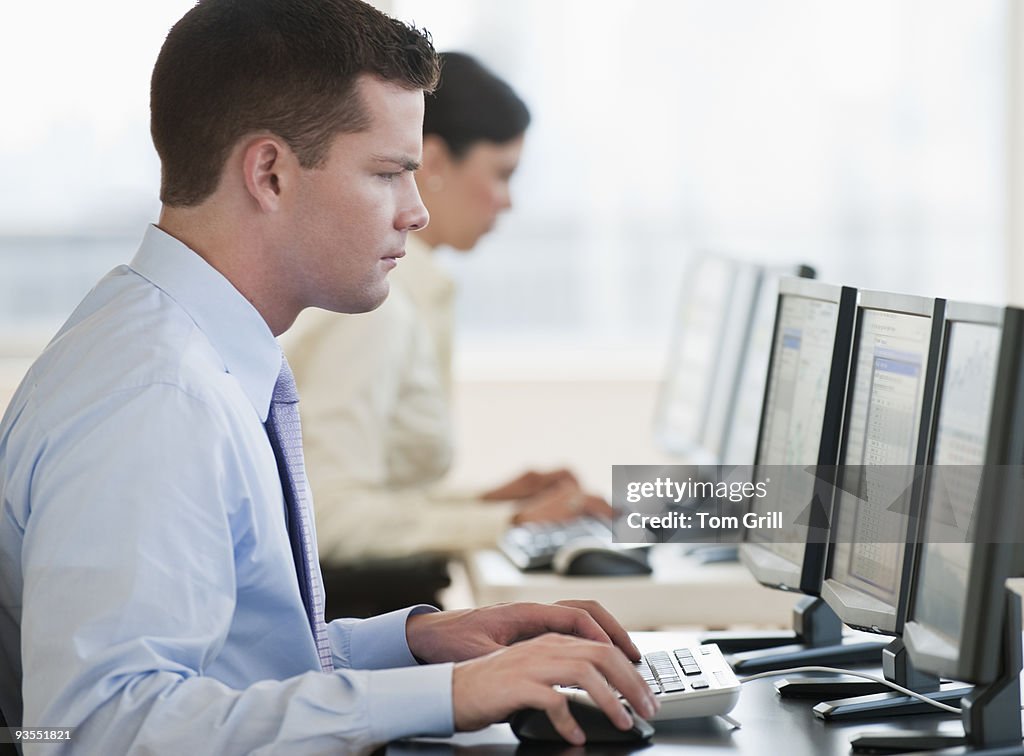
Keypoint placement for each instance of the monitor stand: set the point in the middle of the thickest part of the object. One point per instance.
(990, 713)
(865, 701)
(895, 667)
(816, 638)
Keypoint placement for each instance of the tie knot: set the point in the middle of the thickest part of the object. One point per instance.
(284, 390)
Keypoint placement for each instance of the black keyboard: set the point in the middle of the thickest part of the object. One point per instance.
(532, 546)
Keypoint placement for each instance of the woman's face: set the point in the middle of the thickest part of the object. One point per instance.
(465, 195)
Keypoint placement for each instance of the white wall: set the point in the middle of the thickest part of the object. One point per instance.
(587, 412)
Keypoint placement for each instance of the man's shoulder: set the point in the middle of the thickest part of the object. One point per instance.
(125, 335)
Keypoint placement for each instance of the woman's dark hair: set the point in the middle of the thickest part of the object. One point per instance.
(470, 104)
(232, 67)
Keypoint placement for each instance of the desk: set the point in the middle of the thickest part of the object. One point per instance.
(771, 727)
(680, 592)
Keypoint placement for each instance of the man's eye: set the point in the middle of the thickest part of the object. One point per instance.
(390, 176)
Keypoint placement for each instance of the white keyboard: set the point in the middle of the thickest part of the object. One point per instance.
(688, 682)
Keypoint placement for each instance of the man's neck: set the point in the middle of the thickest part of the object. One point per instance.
(238, 254)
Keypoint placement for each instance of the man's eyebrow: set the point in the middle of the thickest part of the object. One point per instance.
(406, 163)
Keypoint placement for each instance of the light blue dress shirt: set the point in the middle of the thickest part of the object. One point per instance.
(148, 595)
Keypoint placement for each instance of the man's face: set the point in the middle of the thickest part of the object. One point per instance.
(352, 214)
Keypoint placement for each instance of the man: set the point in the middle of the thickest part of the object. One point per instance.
(377, 391)
(158, 580)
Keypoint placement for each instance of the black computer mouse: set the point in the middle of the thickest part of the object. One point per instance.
(534, 725)
(586, 558)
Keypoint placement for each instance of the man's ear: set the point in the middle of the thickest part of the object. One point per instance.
(266, 163)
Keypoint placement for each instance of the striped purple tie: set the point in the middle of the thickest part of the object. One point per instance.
(285, 432)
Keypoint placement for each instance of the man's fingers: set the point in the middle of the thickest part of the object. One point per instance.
(568, 618)
(628, 682)
(490, 688)
(606, 698)
(595, 667)
(556, 706)
(610, 628)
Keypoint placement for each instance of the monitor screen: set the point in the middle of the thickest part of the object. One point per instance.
(714, 312)
(882, 434)
(963, 413)
(799, 429)
(794, 409)
(745, 413)
(956, 623)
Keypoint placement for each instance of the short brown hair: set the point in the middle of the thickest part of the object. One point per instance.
(232, 67)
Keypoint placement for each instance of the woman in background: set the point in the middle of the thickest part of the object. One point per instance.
(376, 387)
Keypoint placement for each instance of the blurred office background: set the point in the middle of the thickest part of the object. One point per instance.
(876, 140)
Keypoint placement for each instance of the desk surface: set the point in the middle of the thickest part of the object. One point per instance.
(770, 726)
(680, 592)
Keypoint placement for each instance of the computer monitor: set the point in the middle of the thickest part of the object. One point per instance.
(797, 448)
(962, 622)
(714, 312)
(734, 418)
(744, 417)
(971, 497)
(800, 427)
(885, 437)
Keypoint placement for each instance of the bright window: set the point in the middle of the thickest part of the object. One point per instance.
(865, 138)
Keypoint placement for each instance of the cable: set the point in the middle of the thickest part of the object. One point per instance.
(865, 675)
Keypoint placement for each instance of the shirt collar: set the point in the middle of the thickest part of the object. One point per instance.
(233, 326)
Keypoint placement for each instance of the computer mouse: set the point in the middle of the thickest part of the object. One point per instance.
(592, 557)
(534, 725)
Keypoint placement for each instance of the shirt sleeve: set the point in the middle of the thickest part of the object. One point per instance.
(374, 643)
(130, 595)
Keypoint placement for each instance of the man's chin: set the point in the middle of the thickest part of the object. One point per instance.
(369, 300)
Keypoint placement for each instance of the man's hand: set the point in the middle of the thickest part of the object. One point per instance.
(470, 633)
(517, 652)
(490, 688)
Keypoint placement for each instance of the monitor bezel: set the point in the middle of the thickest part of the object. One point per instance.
(976, 658)
(854, 607)
(767, 567)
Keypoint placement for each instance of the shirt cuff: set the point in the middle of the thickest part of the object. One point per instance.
(411, 701)
(381, 643)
